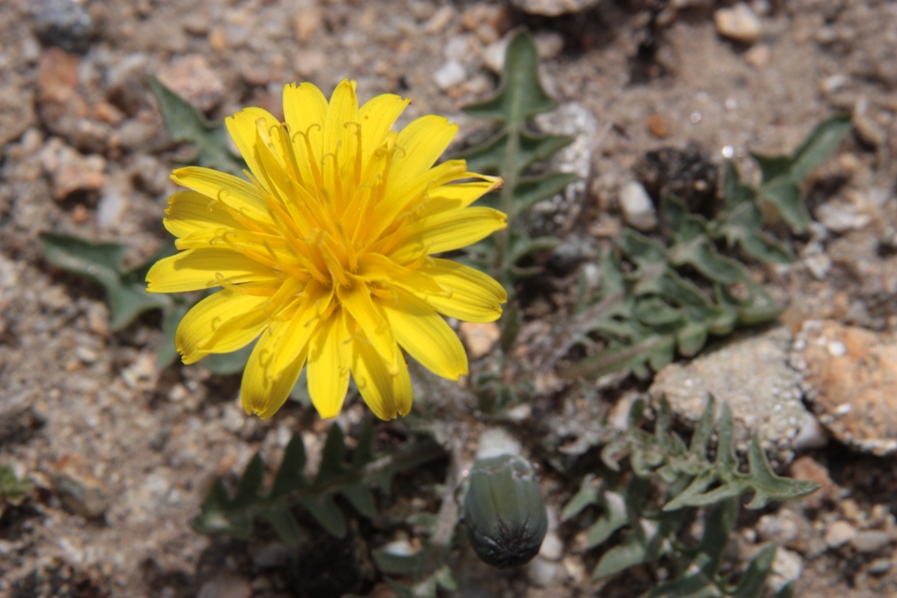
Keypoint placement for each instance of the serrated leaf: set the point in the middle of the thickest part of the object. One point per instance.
(640, 249)
(223, 514)
(691, 338)
(396, 564)
(520, 94)
(754, 580)
(102, 263)
(185, 123)
(619, 558)
(362, 500)
(285, 525)
(702, 255)
(772, 167)
(613, 518)
(492, 155)
(227, 364)
(767, 485)
(333, 454)
(510, 327)
(819, 145)
(696, 585)
(654, 311)
(784, 195)
(327, 513)
(586, 495)
(289, 476)
(251, 483)
(700, 439)
(522, 246)
(531, 190)
(168, 353)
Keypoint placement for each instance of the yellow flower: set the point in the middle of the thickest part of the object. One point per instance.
(325, 253)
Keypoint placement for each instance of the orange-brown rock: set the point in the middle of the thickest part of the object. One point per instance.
(850, 375)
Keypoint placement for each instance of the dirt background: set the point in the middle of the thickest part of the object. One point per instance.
(121, 454)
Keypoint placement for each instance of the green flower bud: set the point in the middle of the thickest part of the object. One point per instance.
(504, 511)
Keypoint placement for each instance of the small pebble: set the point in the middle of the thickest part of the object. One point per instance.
(449, 75)
(552, 547)
(479, 338)
(637, 208)
(870, 541)
(738, 23)
(658, 126)
(838, 534)
(543, 573)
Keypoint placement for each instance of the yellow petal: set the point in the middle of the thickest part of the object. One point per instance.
(196, 269)
(376, 117)
(388, 396)
(464, 194)
(443, 232)
(405, 195)
(375, 267)
(357, 301)
(220, 237)
(243, 127)
(232, 191)
(305, 108)
(189, 211)
(341, 131)
(313, 304)
(425, 335)
(220, 323)
(329, 357)
(421, 143)
(475, 297)
(263, 391)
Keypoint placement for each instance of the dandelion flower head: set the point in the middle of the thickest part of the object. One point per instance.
(325, 252)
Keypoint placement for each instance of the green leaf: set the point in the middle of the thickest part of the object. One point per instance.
(520, 95)
(755, 577)
(640, 249)
(531, 190)
(772, 167)
(13, 490)
(185, 123)
(227, 364)
(613, 518)
(492, 155)
(784, 195)
(284, 523)
(691, 338)
(102, 263)
(235, 515)
(819, 145)
(510, 327)
(586, 495)
(767, 486)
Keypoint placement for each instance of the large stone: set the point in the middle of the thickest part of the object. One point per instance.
(754, 378)
(850, 378)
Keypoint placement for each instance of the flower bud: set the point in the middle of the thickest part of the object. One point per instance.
(504, 511)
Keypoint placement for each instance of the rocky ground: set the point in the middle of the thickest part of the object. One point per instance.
(121, 453)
